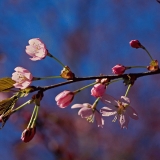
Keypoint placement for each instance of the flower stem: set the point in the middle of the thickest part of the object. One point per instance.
(148, 53)
(42, 78)
(16, 109)
(127, 90)
(32, 117)
(78, 90)
(50, 55)
(36, 114)
(95, 103)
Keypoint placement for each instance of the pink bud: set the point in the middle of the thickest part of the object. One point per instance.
(28, 134)
(118, 69)
(36, 49)
(1, 118)
(135, 44)
(64, 98)
(98, 90)
(22, 77)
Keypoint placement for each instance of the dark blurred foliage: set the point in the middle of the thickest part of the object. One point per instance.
(90, 36)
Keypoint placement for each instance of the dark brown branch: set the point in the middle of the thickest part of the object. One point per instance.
(110, 77)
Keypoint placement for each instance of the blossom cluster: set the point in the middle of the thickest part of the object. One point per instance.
(120, 108)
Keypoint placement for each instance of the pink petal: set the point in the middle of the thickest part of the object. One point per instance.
(99, 119)
(28, 76)
(35, 58)
(36, 41)
(30, 50)
(87, 105)
(64, 105)
(20, 69)
(106, 111)
(85, 112)
(123, 120)
(17, 85)
(77, 106)
(25, 84)
(125, 99)
(62, 95)
(15, 76)
(132, 113)
(107, 99)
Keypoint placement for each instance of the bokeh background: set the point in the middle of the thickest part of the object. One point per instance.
(90, 36)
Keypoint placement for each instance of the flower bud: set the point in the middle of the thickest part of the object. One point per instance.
(135, 44)
(153, 66)
(98, 90)
(1, 118)
(118, 69)
(67, 73)
(28, 134)
(64, 98)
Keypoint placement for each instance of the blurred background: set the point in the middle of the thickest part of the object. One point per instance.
(90, 36)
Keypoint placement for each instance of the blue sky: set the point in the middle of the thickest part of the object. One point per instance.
(89, 36)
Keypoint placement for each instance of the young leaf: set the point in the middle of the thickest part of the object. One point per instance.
(6, 84)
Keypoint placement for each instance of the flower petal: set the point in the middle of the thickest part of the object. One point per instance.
(126, 99)
(77, 106)
(85, 112)
(107, 99)
(132, 113)
(99, 119)
(106, 111)
(123, 120)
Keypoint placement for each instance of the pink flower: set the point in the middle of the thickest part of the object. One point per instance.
(87, 111)
(120, 109)
(22, 77)
(28, 134)
(64, 98)
(98, 90)
(36, 49)
(118, 69)
(135, 44)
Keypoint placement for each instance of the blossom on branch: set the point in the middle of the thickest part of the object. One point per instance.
(135, 44)
(64, 98)
(36, 49)
(120, 109)
(118, 69)
(90, 113)
(98, 90)
(22, 77)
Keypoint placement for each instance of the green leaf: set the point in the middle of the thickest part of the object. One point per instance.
(6, 84)
(7, 104)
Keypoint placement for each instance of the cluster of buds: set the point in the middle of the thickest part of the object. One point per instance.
(119, 108)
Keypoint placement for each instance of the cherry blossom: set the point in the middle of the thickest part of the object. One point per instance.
(36, 49)
(64, 98)
(87, 111)
(120, 109)
(22, 77)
